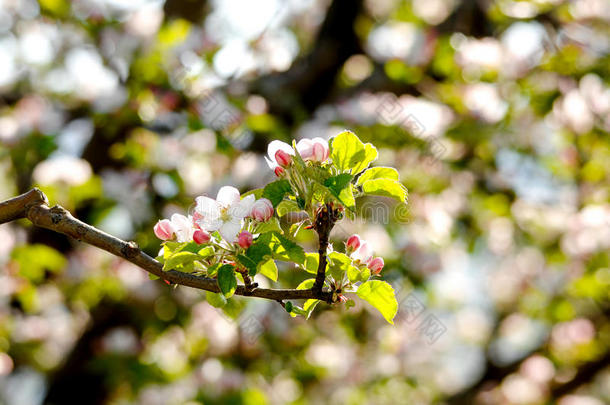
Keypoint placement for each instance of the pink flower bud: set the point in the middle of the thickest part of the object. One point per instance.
(200, 236)
(376, 265)
(244, 239)
(353, 242)
(320, 151)
(164, 229)
(283, 158)
(315, 149)
(279, 171)
(262, 210)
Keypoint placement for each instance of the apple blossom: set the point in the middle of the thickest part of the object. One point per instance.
(353, 243)
(244, 239)
(272, 151)
(164, 229)
(363, 254)
(262, 210)
(315, 149)
(225, 214)
(183, 228)
(200, 236)
(282, 158)
(376, 265)
(279, 171)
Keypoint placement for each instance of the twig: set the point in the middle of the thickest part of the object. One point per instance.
(33, 205)
(325, 220)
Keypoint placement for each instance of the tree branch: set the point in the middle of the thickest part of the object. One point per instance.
(325, 221)
(33, 205)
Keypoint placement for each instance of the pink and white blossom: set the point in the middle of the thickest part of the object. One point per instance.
(272, 151)
(183, 227)
(376, 265)
(164, 229)
(225, 214)
(315, 150)
(353, 243)
(262, 210)
(363, 254)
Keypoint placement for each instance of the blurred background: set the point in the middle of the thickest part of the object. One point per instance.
(495, 112)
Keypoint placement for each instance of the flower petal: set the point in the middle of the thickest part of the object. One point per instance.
(210, 225)
(227, 196)
(305, 148)
(274, 146)
(230, 229)
(242, 209)
(207, 207)
(183, 227)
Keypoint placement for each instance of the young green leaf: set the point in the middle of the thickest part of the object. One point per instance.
(381, 296)
(276, 191)
(309, 306)
(287, 206)
(215, 299)
(386, 188)
(312, 261)
(370, 155)
(378, 173)
(285, 249)
(273, 224)
(227, 280)
(349, 154)
(181, 261)
(269, 269)
(306, 284)
(341, 188)
(346, 151)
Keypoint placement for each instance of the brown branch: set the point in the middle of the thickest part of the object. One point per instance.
(33, 205)
(325, 220)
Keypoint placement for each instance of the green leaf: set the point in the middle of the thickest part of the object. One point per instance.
(248, 263)
(269, 270)
(312, 261)
(288, 306)
(386, 188)
(339, 182)
(338, 264)
(181, 261)
(227, 280)
(286, 207)
(273, 224)
(349, 154)
(346, 150)
(306, 284)
(276, 191)
(355, 274)
(285, 249)
(213, 269)
(370, 155)
(215, 299)
(257, 193)
(206, 251)
(340, 186)
(381, 296)
(258, 253)
(309, 306)
(378, 173)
